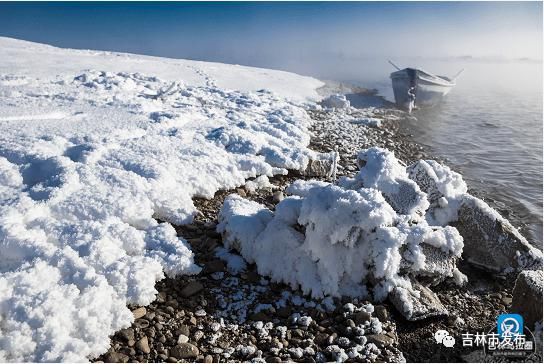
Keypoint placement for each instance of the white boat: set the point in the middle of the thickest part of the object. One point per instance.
(428, 89)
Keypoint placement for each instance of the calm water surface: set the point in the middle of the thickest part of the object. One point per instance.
(490, 129)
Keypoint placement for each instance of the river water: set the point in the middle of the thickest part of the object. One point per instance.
(489, 129)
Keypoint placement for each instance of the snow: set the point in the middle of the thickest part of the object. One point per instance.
(94, 148)
(259, 183)
(344, 239)
(445, 190)
(235, 263)
(336, 101)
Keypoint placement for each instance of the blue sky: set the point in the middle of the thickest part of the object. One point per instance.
(283, 35)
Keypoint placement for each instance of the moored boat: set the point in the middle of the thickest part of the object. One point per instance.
(414, 87)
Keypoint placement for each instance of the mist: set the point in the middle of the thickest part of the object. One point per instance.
(333, 41)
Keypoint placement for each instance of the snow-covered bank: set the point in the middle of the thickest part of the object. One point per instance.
(94, 146)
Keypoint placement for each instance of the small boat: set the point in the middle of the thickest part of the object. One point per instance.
(416, 88)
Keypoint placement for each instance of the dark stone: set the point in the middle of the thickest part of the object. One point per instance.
(527, 297)
(381, 313)
(191, 289)
(184, 351)
(113, 357)
(361, 317)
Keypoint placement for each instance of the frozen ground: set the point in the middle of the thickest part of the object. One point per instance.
(94, 148)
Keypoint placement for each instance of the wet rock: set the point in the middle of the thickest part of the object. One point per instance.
(184, 351)
(491, 242)
(208, 359)
(139, 312)
(191, 289)
(527, 297)
(415, 308)
(143, 345)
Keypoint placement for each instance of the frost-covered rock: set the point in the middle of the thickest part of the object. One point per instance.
(336, 101)
(382, 171)
(387, 232)
(491, 242)
(342, 240)
(444, 188)
(417, 303)
(322, 165)
(527, 297)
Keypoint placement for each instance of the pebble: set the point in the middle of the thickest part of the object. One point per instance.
(183, 330)
(200, 313)
(184, 351)
(113, 357)
(182, 339)
(139, 313)
(143, 345)
(361, 317)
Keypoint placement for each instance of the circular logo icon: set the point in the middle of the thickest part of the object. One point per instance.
(509, 326)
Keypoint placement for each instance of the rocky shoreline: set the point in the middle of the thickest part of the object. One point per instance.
(229, 313)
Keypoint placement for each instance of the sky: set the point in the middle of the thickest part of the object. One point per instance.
(301, 37)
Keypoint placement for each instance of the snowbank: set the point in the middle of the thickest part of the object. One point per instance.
(89, 159)
(345, 239)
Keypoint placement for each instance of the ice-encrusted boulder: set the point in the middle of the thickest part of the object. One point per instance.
(390, 231)
(336, 101)
(491, 242)
(417, 304)
(379, 169)
(348, 239)
(321, 165)
(527, 297)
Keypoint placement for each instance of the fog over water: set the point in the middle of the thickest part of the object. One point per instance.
(489, 128)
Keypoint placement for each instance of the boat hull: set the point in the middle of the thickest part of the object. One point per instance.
(429, 89)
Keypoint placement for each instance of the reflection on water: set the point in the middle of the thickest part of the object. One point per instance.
(490, 129)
